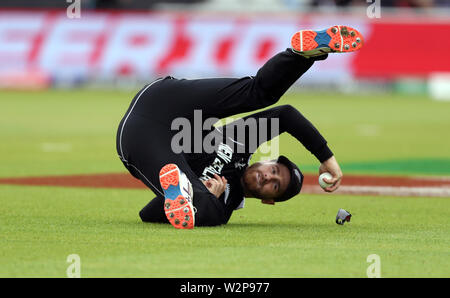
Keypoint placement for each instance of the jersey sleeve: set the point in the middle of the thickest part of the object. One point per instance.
(266, 125)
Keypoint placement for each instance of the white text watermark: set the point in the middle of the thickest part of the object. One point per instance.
(74, 9)
(374, 269)
(74, 269)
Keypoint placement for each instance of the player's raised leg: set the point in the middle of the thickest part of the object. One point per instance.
(336, 39)
(224, 97)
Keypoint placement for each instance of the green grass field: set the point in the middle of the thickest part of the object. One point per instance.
(73, 132)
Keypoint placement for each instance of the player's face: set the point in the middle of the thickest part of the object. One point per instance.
(266, 180)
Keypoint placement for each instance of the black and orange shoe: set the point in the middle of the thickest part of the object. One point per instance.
(336, 39)
(178, 195)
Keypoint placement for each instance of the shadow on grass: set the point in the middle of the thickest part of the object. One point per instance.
(249, 225)
(263, 226)
(268, 225)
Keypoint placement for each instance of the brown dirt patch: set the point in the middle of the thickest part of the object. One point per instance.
(351, 184)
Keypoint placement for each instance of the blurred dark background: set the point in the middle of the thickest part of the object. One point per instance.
(94, 4)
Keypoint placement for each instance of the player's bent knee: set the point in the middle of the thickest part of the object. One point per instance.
(152, 217)
(267, 99)
(270, 100)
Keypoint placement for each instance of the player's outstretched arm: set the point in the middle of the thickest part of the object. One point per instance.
(294, 123)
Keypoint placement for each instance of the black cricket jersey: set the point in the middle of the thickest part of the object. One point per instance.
(227, 162)
(145, 135)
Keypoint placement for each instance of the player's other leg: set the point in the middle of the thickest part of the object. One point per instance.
(336, 39)
(178, 196)
(154, 211)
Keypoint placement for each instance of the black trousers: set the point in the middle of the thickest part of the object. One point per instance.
(144, 134)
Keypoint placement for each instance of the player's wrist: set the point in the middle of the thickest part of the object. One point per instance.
(324, 153)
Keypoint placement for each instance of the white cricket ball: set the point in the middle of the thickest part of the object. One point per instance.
(322, 183)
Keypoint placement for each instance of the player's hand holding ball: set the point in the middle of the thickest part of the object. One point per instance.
(330, 175)
(325, 180)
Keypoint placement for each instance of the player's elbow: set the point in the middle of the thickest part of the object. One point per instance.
(287, 109)
(290, 113)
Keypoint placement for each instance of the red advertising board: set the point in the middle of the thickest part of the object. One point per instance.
(104, 45)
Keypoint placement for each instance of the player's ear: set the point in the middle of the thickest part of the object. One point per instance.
(268, 201)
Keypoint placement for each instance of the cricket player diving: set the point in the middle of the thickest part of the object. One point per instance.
(201, 178)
